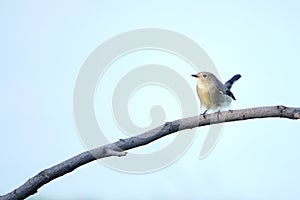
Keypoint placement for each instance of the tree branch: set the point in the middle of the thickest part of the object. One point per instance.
(117, 148)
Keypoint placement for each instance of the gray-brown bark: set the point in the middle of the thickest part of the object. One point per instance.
(118, 148)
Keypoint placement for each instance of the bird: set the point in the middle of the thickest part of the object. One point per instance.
(212, 93)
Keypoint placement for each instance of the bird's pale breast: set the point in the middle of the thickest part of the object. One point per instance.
(211, 97)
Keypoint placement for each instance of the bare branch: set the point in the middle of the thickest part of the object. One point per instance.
(31, 186)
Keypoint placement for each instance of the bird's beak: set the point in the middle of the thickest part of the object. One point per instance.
(194, 75)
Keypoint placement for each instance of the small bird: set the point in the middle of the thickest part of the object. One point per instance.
(213, 94)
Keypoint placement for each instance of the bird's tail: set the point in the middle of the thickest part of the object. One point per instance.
(229, 83)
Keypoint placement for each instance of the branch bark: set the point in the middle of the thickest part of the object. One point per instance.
(118, 148)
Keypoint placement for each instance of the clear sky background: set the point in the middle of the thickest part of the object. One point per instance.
(44, 44)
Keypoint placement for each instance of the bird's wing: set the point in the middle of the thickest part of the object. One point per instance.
(229, 93)
(224, 90)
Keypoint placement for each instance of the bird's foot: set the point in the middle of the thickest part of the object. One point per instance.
(204, 114)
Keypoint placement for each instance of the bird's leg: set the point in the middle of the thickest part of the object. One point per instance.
(204, 114)
(219, 112)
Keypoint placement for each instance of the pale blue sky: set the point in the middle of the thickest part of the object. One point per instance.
(44, 44)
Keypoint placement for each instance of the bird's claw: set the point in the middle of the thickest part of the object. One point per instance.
(204, 114)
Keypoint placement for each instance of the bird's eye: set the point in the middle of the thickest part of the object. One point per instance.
(204, 75)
